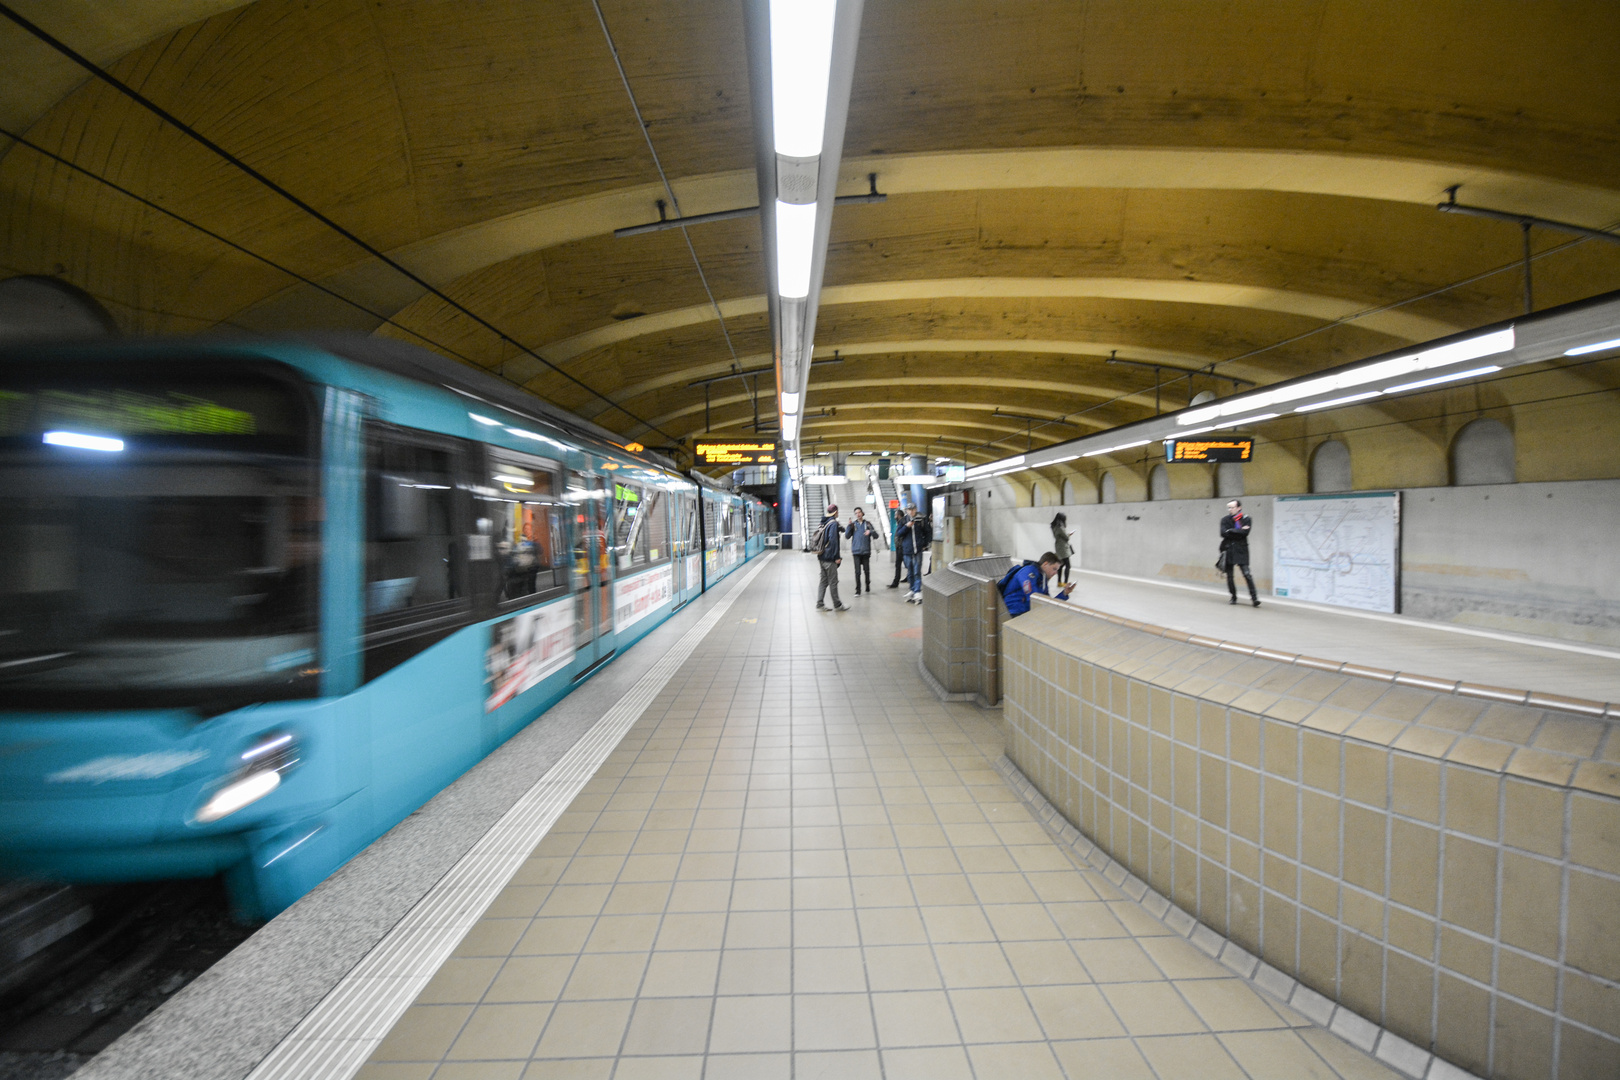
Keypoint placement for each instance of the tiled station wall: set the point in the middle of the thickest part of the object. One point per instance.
(961, 627)
(1445, 865)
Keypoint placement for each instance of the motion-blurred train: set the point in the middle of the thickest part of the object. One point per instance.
(261, 600)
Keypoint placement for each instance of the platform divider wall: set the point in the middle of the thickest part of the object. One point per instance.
(961, 652)
(1441, 863)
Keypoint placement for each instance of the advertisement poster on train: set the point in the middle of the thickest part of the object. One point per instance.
(694, 571)
(525, 649)
(636, 598)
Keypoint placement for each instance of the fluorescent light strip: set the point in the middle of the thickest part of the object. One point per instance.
(790, 426)
(790, 402)
(1453, 377)
(795, 248)
(84, 442)
(1313, 406)
(1613, 343)
(801, 63)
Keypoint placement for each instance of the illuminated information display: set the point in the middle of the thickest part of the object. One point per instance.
(1229, 448)
(736, 453)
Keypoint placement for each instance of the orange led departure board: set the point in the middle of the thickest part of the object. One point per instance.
(1226, 448)
(736, 453)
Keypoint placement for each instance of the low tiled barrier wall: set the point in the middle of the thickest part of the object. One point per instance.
(961, 628)
(1445, 864)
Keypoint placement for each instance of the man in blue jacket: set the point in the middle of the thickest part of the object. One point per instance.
(831, 558)
(1026, 581)
(914, 539)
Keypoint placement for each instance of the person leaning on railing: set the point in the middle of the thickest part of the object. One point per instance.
(1028, 580)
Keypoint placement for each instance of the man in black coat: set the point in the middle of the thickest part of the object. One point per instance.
(1235, 528)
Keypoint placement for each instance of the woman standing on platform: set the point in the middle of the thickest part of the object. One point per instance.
(1061, 546)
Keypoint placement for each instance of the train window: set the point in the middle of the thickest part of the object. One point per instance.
(639, 529)
(523, 514)
(414, 561)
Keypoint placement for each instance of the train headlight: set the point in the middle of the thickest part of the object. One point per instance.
(263, 764)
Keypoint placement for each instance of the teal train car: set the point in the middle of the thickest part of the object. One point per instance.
(260, 600)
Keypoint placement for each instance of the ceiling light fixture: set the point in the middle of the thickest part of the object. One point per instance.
(1582, 350)
(1438, 379)
(1313, 406)
(801, 61)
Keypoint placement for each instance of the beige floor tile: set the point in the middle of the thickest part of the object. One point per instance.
(592, 870)
(1229, 1005)
(584, 1029)
(837, 1065)
(1026, 1061)
(1276, 1055)
(622, 933)
(828, 971)
(943, 889)
(480, 1070)
(821, 863)
(700, 896)
(1037, 858)
(748, 1067)
(901, 967)
(551, 936)
(500, 1031)
(1103, 1059)
(492, 937)
(891, 926)
(825, 929)
(460, 981)
(1190, 1057)
(756, 971)
(930, 1063)
(607, 843)
(965, 966)
(1178, 958)
(987, 860)
(518, 902)
(638, 898)
(531, 978)
(1061, 886)
(1043, 963)
(1151, 1008)
(390, 1070)
(669, 1026)
(680, 974)
(997, 1015)
(540, 870)
(1114, 960)
(915, 1018)
(1003, 889)
(575, 900)
(589, 1069)
(1086, 919)
(884, 890)
(934, 860)
(424, 1033)
(650, 868)
(710, 866)
(759, 930)
(876, 861)
(1022, 922)
(758, 1024)
(833, 892)
(832, 1022)
(687, 931)
(953, 925)
(660, 1068)
(605, 975)
(1351, 1063)
(1073, 1012)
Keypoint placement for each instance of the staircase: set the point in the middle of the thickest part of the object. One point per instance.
(812, 507)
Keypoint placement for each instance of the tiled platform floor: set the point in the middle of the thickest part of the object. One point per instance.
(800, 864)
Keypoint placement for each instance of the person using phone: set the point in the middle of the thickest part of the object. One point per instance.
(1028, 580)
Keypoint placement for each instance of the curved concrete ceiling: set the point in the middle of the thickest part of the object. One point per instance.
(1245, 184)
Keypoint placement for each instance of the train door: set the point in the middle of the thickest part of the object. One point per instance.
(592, 578)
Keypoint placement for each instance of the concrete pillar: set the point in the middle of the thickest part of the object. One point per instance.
(917, 465)
(784, 501)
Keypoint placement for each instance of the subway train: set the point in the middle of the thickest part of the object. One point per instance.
(260, 600)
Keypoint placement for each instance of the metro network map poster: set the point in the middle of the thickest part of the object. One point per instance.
(1339, 549)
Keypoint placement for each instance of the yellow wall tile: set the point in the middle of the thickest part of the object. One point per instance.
(1462, 1024)
(1402, 703)
(1411, 932)
(1357, 694)
(1244, 858)
(1416, 788)
(1524, 1040)
(1243, 913)
(1319, 831)
(1409, 998)
(1364, 847)
(1471, 801)
(1184, 714)
(1582, 1054)
(1362, 912)
(1212, 895)
(1321, 760)
(1470, 885)
(1414, 864)
(1185, 892)
(1281, 748)
(1593, 902)
(1480, 753)
(1160, 710)
(1366, 774)
(1452, 713)
(1282, 875)
(1186, 770)
(1465, 954)
(1245, 803)
(1570, 734)
(1526, 977)
(1141, 703)
(1361, 975)
(1594, 832)
(1244, 732)
(1533, 817)
(1509, 723)
(1530, 889)
(1320, 893)
(1282, 816)
(1591, 1002)
(1212, 789)
(1278, 919)
(1318, 951)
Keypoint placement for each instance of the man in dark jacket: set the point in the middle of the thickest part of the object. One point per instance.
(1235, 528)
(914, 540)
(831, 558)
(860, 533)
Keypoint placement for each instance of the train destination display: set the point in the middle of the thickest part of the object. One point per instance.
(1227, 448)
(762, 452)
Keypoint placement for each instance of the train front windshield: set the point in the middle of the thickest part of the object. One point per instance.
(159, 536)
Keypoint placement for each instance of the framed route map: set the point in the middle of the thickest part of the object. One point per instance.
(1339, 549)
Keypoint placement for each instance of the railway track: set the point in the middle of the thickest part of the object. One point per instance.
(84, 965)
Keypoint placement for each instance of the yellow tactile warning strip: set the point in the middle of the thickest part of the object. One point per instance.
(800, 864)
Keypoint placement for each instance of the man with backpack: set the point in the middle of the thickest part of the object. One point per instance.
(1022, 582)
(914, 540)
(826, 544)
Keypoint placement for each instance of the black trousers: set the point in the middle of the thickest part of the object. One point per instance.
(863, 565)
(899, 565)
(1231, 583)
(1063, 570)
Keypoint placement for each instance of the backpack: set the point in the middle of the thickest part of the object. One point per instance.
(818, 543)
(1001, 586)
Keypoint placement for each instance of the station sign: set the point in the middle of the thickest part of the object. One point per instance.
(762, 452)
(1227, 448)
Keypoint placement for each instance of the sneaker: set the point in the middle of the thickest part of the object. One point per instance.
(1232, 601)
(894, 586)
(823, 607)
(840, 607)
(1256, 600)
